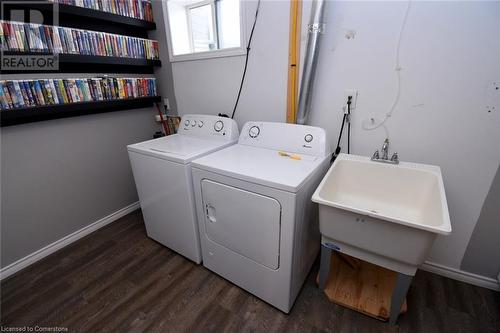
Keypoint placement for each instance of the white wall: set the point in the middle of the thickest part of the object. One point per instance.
(210, 86)
(450, 52)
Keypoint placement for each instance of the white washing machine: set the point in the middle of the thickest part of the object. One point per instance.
(162, 173)
(258, 225)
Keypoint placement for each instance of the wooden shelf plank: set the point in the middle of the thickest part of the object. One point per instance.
(79, 63)
(47, 112)
(361, 286)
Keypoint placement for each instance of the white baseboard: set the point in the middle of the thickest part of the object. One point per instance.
(457, 274)
(51, 248)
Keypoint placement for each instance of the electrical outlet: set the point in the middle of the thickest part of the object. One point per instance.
(493, 97)
(354, 94)
(166, 103)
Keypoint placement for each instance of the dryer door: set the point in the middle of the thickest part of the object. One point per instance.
(244, 222)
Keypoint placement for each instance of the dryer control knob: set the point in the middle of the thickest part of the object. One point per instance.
(200, 123)
(218, 126)
(254, 131)
(186, 123)
(308, 138)
(193, 123)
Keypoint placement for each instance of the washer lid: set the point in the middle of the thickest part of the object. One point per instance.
(262, 166)
(178, 148)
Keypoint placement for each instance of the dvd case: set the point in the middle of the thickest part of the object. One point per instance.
(28, 93)
(30, 37)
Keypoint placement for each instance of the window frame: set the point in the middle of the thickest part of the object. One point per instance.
(227, 52)
(195, 5)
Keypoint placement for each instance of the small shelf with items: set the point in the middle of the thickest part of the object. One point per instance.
(89, 18)
(169, 123)
(137, 9)
(99, 51)
(48, 112)
(90, 36)
(36, 100)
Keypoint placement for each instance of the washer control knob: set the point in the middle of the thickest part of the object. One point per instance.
(218, 126)
(193, 123)
(186, 123)
(254, 131)
(308, 138)
(200, 123)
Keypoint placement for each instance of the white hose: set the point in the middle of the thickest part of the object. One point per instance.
(372, 123)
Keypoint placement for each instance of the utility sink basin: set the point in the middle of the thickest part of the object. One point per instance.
(383, 213)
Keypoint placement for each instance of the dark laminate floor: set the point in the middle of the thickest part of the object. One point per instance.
(118, 280)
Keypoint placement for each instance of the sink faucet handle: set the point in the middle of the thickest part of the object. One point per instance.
(375, 155)
(395, 157)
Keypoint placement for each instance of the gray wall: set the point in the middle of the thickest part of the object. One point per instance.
(58, 176)
(61, 175)
(483, 252)
(163, 74)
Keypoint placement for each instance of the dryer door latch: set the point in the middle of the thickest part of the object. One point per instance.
(210, 213)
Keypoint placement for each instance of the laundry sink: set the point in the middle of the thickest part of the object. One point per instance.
(383, 213)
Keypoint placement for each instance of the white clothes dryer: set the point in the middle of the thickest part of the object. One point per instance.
(258, 226)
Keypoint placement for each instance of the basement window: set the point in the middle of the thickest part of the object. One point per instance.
(203, 29)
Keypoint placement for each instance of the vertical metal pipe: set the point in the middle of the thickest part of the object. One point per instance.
(314, 29)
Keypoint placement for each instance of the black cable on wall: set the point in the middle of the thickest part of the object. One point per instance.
(246, 59)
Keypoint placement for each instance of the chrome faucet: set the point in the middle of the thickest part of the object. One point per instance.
(385, 149)
(385, 154)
